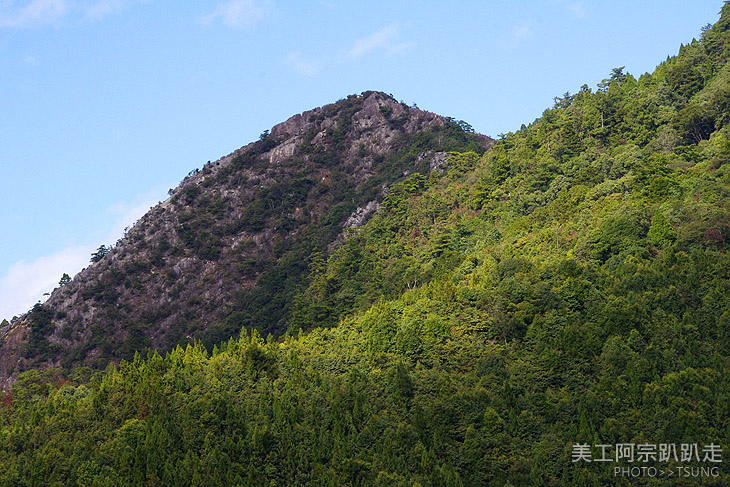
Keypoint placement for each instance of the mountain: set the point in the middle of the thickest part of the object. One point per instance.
(511, 317)
(232, 245)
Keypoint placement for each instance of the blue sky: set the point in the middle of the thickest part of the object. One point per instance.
(106, 104)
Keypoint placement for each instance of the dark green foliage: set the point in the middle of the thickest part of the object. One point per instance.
(200, 235)
(65, 279)
(616, 234)
(687, 75)
(273, 201)
(190, 192)
(100, 253)
(694, 123)
(41, 325)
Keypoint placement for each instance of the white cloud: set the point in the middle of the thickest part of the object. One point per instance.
(386, 39)
(239, 13)
(30, 61)
(24, 283)
(525, 29)
(301, 65)
(577, 9)
(18, 14)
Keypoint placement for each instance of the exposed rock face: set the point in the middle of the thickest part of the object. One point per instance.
(13, 338)
(358, 216)
(231, 246)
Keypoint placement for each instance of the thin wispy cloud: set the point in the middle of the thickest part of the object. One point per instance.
(576, 9)
(239, 13)
(302, 65)
(104, 8)
(125, 214)
(525, 30)
(386, 40)
(30, 61)
(18, 14)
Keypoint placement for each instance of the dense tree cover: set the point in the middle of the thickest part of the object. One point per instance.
(569, 286)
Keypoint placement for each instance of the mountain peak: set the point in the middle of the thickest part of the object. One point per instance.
(231, 246)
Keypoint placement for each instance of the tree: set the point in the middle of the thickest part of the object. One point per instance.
(65, 279)
(100, 253)
(617, 76)
(694, 123)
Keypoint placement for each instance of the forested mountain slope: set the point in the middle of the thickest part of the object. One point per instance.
(232, 245)
(569, 286)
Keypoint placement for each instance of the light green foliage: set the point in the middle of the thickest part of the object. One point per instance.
(661, 231)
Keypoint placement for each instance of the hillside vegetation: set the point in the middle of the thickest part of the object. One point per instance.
(234, 243)
(569, 286)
